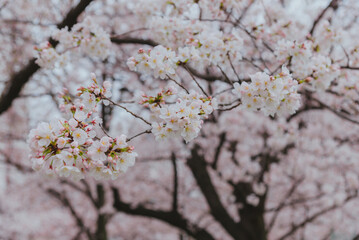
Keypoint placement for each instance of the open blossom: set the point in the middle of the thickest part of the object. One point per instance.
(69, 148)
(79, 136)
(96, 152)
(121, 141)
(270, 94)
(61, 142)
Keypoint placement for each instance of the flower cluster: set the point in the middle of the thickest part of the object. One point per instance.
(86, 37)
(47, 57)
(182, 118)
(212, 48)
(173, 31)
(73, 147)
(307, 63)
(159, 62)
(270, 94)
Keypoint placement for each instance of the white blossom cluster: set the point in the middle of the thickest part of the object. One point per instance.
(85, 37)
(159, 62)
(212, 48)
(174, 31)
(206, 49)
(270, 94)
(307, 63)
(48, 57)
(74, 147)
(183, 118)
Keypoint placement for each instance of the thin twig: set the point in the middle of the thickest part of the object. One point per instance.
(124, 108)
(339, 114)
(225, 75)
(194, 79)
(227, 109)
(139, 134)
(234, 70)
(131, 31)
(178, 84)
(103, 129)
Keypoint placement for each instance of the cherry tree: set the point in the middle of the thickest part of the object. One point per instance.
(193, 119)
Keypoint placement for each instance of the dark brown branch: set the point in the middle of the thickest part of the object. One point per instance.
(130, 40)
(222, 139)
(208, 78)
(282, 204)
(18, 166)
(198, 167)
(314, 217)
(65, 201)
(350, 68)
(333, 4)
(170, 217)
(88, 192)
(19, 79)
(175, 184)
(339, 114)
(101, 232)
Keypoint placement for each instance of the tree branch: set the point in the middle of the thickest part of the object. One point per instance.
(170, 217)
(222, 139)
(314, 217)
(19, 79)
(198, 166)
(175, 183)
(130, 40)
(65, 201)
(333, 4)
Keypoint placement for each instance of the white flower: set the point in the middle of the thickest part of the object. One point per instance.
(96, 153)
(80, 115)
(73, 123)
(37, 163)
(44, 134)
(70, 171)
(121, 141)
(125, 161)
(89, 101)
(105, 143)
(61, 142)
(237, 89)
(80, 136)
